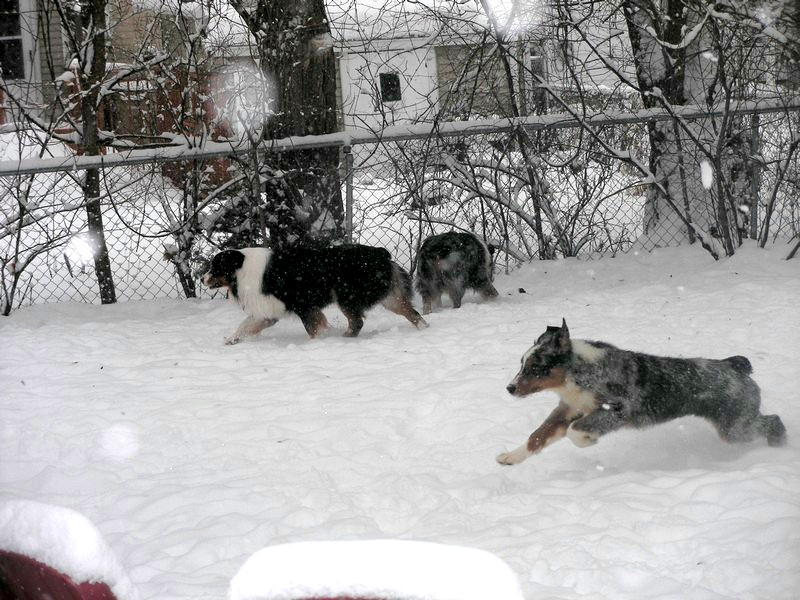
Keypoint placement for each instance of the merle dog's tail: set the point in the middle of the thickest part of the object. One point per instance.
(740, 364)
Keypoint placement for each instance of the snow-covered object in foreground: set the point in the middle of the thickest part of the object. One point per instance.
(64, 540)
(386, 569)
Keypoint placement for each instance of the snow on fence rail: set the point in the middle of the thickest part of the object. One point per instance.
(394, 133)
(399, 185)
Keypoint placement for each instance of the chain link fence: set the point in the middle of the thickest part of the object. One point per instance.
(556, 191)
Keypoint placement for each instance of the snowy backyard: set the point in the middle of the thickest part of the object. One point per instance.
(190, 456)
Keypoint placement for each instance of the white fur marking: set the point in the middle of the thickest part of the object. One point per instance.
(249, 278)
(578, 399)
(515, 456)
(587, 352)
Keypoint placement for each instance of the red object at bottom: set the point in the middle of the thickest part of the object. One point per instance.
(25, 578)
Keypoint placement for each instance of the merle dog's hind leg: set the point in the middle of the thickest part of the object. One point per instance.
(430, 300)
(585, 431)
(488, 291)
(746, 428)
(250, 326)
(738, 418)
(455, 289)
(773, 429)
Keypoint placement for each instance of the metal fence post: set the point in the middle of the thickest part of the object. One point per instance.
(755, 150)
(348, 192)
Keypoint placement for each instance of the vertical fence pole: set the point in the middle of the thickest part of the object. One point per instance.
(348, 193)
(755, 150)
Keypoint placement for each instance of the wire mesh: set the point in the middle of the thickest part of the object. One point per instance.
(549, 194)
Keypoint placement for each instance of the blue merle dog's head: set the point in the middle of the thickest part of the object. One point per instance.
(544, 365)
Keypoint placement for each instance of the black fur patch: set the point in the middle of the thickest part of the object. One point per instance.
(356, 277)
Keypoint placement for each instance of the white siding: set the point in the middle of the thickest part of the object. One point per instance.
(360, 70)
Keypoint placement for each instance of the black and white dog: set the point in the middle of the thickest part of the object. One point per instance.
(453, 262)
(602, 388)
(268, 284)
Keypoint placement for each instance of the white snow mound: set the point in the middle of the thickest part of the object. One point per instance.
(390, 569)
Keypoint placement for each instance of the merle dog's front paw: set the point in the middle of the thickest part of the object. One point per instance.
(233, 340)
(514, 457)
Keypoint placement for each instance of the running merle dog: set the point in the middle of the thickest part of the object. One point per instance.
(602, 388)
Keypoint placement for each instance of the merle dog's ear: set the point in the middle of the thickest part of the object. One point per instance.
(556, 337)
(562, 337)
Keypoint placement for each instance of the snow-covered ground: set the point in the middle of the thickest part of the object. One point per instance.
(190, 456)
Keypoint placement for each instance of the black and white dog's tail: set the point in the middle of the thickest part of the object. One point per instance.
(401, 280)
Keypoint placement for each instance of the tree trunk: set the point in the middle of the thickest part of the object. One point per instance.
(296, 54)
(660, 73)
(680, 58)
(93, 19)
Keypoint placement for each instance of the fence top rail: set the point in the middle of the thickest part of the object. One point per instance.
(395, 133)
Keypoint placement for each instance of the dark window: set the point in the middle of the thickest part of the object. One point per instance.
(9, 18)
(11, 59)
(390, 87)
(11, 56)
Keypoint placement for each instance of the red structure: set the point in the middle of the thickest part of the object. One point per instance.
(24, 578)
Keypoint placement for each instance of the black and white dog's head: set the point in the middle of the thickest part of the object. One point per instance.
(222, 272)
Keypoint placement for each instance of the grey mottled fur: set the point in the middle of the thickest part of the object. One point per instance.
(453, 262)
(618, 388)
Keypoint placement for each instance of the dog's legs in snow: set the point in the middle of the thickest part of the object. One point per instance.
(553, 429)
(314, 322)
(250, 326)
(587, 430)
(355, 320)
(455, 289)
(401, 305)
(488, 291)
